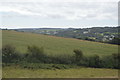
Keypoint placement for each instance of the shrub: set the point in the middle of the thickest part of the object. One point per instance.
(62, 59)
(35, 59)
(35, 54)
(84, 61)
(107, 62)
(116, 59)
(111, 61)
(9, 54)
(94, 61)
(78, 56)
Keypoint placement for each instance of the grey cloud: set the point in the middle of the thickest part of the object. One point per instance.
(66, 10)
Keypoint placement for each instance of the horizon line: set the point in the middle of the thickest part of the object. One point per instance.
(55, 27)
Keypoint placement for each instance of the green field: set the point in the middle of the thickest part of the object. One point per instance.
(56, 45)
(12, 72)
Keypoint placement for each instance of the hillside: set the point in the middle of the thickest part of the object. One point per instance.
(99, 34)
(56, 45)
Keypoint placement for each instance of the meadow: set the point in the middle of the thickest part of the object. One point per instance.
(56, 45)
(14, 72)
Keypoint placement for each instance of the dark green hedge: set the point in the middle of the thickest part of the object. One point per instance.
(36, 55)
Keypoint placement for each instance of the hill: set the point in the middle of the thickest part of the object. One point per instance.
(56, 45)
(99, 34)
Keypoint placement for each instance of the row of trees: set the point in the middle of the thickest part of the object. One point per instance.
(37, 55)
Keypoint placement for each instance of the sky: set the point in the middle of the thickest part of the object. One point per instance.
(58, 13)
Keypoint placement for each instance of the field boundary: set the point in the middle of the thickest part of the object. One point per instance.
(60, 79)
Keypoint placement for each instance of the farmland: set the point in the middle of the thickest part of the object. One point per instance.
(55, 46)
(11, 72)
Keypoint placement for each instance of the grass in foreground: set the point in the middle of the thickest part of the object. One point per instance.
(15, 72)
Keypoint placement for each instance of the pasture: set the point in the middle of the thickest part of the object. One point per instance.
(56, 45)
(13, 72)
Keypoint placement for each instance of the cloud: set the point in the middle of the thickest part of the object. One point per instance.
(59, 0)
(68, 10)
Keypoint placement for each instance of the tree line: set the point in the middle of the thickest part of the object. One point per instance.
(37, 55)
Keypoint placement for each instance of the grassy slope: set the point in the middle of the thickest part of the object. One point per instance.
(11, 72)
(56, 45)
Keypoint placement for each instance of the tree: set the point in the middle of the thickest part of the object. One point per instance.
(78, 56)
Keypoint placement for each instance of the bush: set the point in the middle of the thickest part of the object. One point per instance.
(62, 59)
(111, 61)
(35, 58)
(78, 56)
(9, 54)
(116, 60)
(84, 61)
(35, 54)
(94, 61)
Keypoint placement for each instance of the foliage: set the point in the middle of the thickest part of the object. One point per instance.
(9, 54)
(111, 61)
(94, 61)
(36, 58)
(35, 54)
(78, 56)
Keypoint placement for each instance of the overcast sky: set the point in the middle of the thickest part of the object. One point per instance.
(58, 13)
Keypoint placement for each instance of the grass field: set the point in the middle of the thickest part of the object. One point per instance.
(56, 45)
(11, 72)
